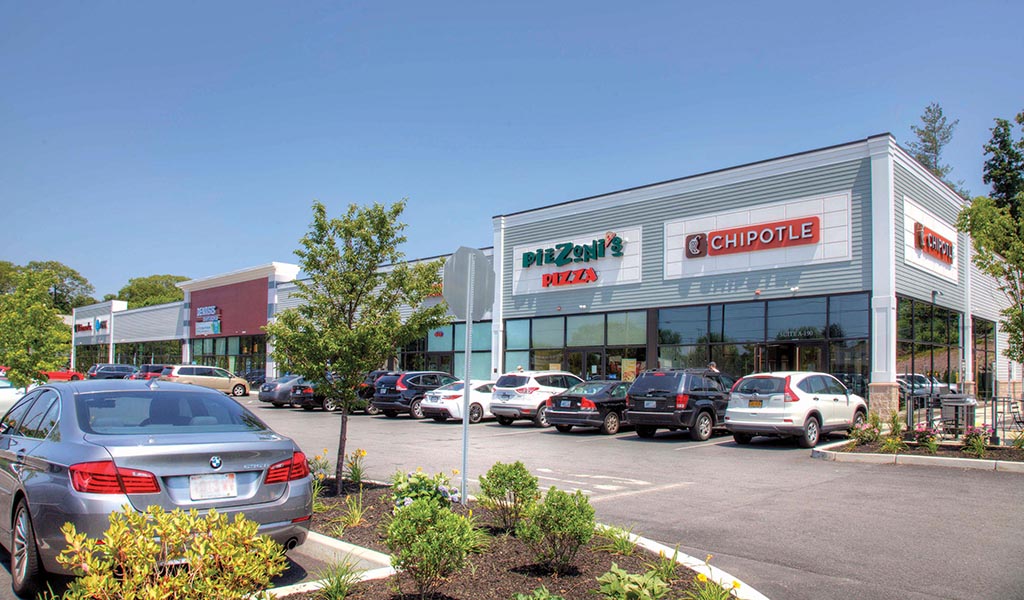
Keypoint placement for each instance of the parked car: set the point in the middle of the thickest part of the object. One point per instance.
(593, 403)
(800, 404)
(306, 395)
(673, 399)
(404, 392)
(446, 402)
(88, 448)
(211, 377)
(278, 391)
(524, 395)
(917, 383)
(147, 372)
(367, 388)
(63, 375)
(255, 377)
(110, 371)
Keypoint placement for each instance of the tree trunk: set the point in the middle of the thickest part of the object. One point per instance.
(339, 471)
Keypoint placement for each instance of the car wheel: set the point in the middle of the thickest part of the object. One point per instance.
(26, 569)
(858, 420)
(415, 410)
(476, 413)
(701, 430)
(390, 414)
(504, 420)
(440, 418)
(307, 407)
(75, 378)
(611, 423)
(541, 420)
(563, 428)
(372, 410)
(238, 390)
(277, 404)
(742, 438)
(646, 431)
(812, 431)
(331, 404)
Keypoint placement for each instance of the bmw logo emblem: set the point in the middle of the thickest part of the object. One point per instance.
(215, 462)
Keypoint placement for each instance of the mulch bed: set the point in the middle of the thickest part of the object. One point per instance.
(507, 567)
(1007, 453)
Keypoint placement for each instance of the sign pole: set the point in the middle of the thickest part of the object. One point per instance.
(467, 385)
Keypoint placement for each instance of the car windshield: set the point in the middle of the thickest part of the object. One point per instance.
(761, 385)
(451, 387)
(287, 378)
(587, 388)
(512, 381)
(137, 412)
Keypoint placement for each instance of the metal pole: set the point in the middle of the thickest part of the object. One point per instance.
(467, 385)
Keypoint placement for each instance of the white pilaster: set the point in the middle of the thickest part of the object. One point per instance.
(883, 261)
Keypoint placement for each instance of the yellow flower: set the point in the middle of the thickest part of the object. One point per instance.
(735, 584)
(708, 559)
(419, 469)
(455, 471)
(325, 451)
(702, 578)
(362, 452)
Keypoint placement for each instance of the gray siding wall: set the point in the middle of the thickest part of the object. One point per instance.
(850, 276)
(162, 322)
(914, 282)
(986, 302)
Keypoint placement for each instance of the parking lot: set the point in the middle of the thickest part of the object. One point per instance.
(790, 526)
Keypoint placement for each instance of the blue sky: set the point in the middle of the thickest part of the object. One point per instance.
(192, 137)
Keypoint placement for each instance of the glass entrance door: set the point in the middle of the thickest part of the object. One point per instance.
(792, 356)
(588, 364)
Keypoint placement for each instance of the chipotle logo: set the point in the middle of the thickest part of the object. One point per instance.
(933, 244)
(754, 238)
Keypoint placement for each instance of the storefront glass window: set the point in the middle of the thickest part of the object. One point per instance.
(680, 357)
(517, 334)
(208, 346)
(850, 363)
(440, 339)
(796, 319)
(627, 328)
(541, 360)
(933, 346)
(233, 345)
(688, 325)
(744, 322)
(481, 336)
(549, 333)
(625, 363)
(585, 330)
(516, 359)
(984, 356)
(221, 347)
(849, 316)
(734, 359)
(481, 365)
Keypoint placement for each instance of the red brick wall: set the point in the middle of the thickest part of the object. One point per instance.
(242, 307)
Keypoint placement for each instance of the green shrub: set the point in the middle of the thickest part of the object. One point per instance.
(415, 485)
(868, 432)
(540, 593)
(616, 541)
(430, 542)
(557, 528)
(895, 425)
(508, 490)
(338, 580)
(617, 584)
(180, 555)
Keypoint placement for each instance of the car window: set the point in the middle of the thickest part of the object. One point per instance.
(761, 385)
(429, 381)
(41, 418)
(446, 379)
(725, 381)
(512, 381)
(486, 388)
(147, 412)
(620, 390)
(221, 373)
(17, 412)
(656, 383)
(833, 385)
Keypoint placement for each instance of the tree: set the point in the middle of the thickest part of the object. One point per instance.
(933, 135)
(8, 272)
(350, 320)
(148, 291)
(69, 289)
(1004, 167)
(33, 337)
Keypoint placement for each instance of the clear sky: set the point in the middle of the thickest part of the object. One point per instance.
(190, 138)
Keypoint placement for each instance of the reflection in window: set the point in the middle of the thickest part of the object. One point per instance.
(744, 322)
(849, 316)
(627, 328)
(517, 334)
(796, 319)
(549, 332)
(688, 325)
(585, 330)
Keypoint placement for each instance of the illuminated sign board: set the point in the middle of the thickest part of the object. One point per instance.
(94, 325)
(933, 244)
(754, 238)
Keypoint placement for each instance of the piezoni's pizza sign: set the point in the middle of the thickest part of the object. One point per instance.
(754, 238)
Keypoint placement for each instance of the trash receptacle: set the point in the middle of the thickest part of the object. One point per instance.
(958, 411)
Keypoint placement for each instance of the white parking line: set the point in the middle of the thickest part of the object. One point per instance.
(658, 488)
(523, 432)
(691, 446)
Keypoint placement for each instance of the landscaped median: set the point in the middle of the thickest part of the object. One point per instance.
(413, 538)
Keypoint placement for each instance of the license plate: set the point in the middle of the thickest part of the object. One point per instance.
(215, 485)
(382, 390)
(650, 403)
(754, 404)
(565, 403)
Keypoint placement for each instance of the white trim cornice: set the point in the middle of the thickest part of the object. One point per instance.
(276, 270)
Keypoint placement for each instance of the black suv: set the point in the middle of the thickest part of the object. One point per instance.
(110, 371)
(366, 388)
(693, 399)
(403, 392)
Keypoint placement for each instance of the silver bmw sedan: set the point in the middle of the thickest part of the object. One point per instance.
(78, 451)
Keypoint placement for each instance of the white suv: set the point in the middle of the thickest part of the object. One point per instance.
(523, 394)
(802, 404)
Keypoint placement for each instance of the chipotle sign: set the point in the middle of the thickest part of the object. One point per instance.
(754, 238)
(933, 244)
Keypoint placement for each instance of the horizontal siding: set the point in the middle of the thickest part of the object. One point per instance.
(163, 322)
(912, 281)
(854, 275)
(987, 300)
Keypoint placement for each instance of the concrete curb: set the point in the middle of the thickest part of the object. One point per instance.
(827, 452)
(332, 550)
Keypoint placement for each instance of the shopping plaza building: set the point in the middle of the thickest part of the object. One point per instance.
(844, 259)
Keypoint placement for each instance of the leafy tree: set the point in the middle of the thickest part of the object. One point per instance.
(933, 135)
(349, 322)
(69, 289)
(148, 291)
(1004, 167)
(33, 337)
(8, 272)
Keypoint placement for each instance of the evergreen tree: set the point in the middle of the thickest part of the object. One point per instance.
(933, 135)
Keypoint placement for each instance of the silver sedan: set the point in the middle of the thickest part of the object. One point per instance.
(77, 451)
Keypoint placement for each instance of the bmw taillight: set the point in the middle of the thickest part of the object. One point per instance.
(682, 400)
(104, 477)
(587, 404)
(787, 394)
(525, 390)
(288, 470)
